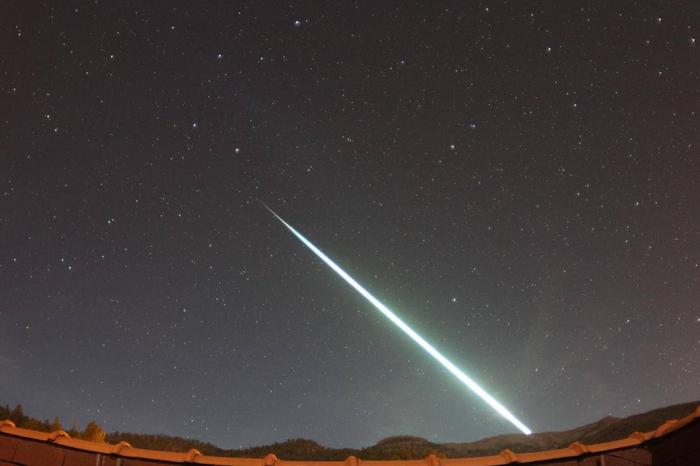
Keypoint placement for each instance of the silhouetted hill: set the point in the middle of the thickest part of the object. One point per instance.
(644, 422)
(606, 429)
(399, 447)
(401, 440)
(298, 448)
(396, 447)
(165, 443)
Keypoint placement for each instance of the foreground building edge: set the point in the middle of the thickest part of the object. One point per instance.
(29, 447)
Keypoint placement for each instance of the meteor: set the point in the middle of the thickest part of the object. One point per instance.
(464, 378)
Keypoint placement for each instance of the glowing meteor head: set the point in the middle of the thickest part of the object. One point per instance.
(389, 314)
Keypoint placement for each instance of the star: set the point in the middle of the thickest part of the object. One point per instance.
(339, 117)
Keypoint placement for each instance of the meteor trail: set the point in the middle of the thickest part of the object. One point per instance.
(464, 378)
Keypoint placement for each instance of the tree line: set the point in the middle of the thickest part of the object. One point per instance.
(92, 431)
(301, 449)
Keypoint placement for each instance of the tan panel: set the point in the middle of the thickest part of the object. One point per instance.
(39, 454)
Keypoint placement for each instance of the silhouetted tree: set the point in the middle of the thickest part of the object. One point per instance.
(73, 431)
(18, 417)
(93, 432)
(56, 425)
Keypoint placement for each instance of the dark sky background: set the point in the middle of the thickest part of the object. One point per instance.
(518, 180)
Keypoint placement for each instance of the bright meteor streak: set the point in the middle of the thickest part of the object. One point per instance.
(464, 378)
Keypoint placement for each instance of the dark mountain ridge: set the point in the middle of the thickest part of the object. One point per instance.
(395, 447)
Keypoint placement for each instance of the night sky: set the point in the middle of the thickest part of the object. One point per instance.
(518, 180)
